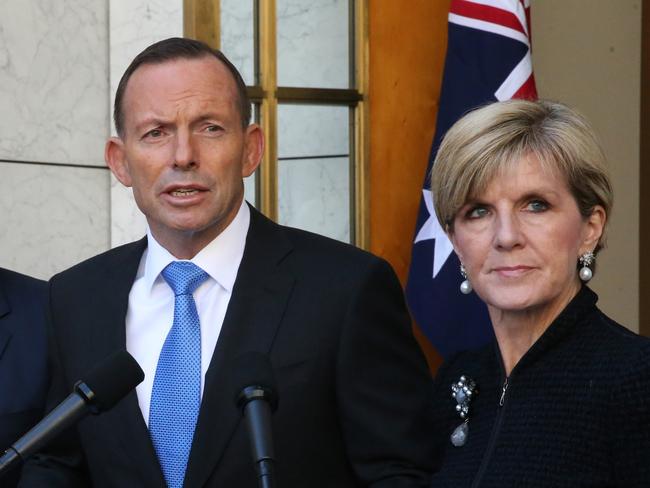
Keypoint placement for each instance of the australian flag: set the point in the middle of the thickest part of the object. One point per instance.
(488, 59)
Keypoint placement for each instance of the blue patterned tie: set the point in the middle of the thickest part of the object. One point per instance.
(176, 394)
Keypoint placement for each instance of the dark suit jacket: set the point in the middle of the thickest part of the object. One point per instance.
(23, 358)
(353, 386)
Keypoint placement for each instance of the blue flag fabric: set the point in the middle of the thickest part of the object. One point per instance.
(488, 59)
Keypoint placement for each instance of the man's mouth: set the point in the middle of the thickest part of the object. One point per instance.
(183, 192)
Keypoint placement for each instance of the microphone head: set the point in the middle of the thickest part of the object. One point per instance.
(110, 381)
(252, 379)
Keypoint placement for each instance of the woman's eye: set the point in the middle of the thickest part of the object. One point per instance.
(537, 206)
(477, 213)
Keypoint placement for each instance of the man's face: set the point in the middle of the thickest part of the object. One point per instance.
(184, 150)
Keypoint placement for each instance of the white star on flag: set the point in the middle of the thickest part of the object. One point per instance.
(432, 230)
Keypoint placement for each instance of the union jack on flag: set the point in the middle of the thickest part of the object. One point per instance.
(488, 59)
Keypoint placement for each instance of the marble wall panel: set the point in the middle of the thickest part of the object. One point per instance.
(52, 217)
(134, 25)
(314, 194)
(53, 80)
(313, 43)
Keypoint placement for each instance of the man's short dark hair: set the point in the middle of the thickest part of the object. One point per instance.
(172, 49)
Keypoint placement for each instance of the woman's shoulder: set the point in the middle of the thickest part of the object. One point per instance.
(620, 355)
(627, 361)
(620, 343)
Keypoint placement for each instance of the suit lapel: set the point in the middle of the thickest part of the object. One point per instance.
(256, 307)
(125, 419)
(5, 330)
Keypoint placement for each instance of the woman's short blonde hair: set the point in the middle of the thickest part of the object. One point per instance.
(485, 141)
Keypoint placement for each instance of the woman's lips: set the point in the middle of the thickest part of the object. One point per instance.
(512, 271)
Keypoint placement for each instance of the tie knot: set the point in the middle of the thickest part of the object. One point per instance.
(184, 277)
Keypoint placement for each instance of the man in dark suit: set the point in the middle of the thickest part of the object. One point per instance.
(23, 358)
(353, 386)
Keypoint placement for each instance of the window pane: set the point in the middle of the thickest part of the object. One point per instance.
(314, 169)
(237, 36)
(313, 130)
(313, 43)
(250, 192)
(314, 194)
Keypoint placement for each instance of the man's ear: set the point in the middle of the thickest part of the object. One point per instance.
(115, 157)
(253, 149)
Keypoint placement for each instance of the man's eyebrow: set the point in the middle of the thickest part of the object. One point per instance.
(150, 120)
(208, 116)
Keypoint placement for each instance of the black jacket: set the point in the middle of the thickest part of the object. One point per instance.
(353, 399)
(576, 410)
(23, 358)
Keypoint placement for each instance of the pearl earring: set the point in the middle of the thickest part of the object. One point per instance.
(586, 260)
(465, 286)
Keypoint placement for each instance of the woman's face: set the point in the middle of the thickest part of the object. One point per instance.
(520, 240)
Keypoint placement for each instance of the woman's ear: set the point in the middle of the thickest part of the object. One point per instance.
(593, 229)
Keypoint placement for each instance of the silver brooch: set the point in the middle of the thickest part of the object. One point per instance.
(462, 391)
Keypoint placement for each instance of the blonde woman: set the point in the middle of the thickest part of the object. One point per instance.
(562, 399)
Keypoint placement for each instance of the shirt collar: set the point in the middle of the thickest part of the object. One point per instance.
(220, 258)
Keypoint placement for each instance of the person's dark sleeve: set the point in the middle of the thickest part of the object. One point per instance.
(61, 464)
(384, 386)
(629, 423)
(23, 369)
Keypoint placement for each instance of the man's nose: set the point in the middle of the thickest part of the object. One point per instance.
(185, 153)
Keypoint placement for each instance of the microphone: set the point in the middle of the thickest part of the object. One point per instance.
(255, 395)
(104, 386)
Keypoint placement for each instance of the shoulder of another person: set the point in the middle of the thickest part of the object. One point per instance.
(19, 288)
(19, 281)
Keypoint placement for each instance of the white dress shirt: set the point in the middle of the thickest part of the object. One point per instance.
(150, 312)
